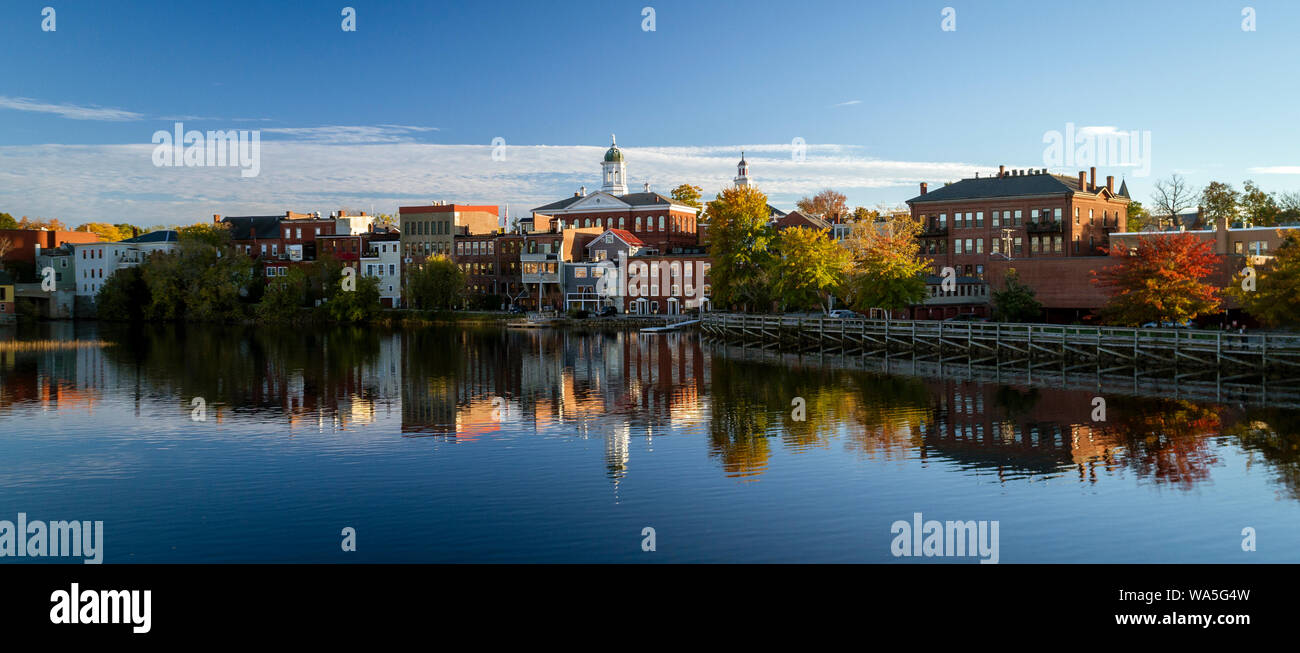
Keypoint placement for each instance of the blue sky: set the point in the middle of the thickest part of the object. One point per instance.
(404, 109)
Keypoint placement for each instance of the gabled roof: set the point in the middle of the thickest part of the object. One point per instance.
(623, 235)
(250, 227)
(812, 220)
(1004, 186)
(634, 200)
(553, 206)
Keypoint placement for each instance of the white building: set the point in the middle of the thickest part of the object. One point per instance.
(95, 263)
(384, 262)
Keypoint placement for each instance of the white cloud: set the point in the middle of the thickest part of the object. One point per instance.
(849, 103)
(119, 183)
(349, 134)
(1275, 170)
(72, 111)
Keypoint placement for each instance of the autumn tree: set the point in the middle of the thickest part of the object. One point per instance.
(211, 234)
(1171, 197)
(828, 205)
(740, 246)
(1273, 296)
(810, 269)
(688, 195)
(887, 268)
(105, 231)
(1162, 281)
(1016, 301)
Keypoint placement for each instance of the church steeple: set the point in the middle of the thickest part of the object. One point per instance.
(742, 171)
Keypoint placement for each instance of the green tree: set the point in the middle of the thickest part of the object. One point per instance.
(1274, 297)
(439, 284)
(284, 297)
(888, 270)
(1260, 208)
(688, 195)
(7, 221)
(215, 235)
(810, 269)
(358, 305)
(1220, 200)
(123, 297)
(1016, 301)
(1138, 218)
(740, 245)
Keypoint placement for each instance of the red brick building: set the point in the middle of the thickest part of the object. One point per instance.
(1050, 228)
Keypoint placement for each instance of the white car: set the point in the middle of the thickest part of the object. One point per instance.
(841, 314)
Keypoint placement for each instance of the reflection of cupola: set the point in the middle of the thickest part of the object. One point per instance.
(742, 171)
(614, 170)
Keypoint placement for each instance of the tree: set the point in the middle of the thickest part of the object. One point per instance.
(123, 297)
(888, 270)
(1288, 205)
(1274, 297)
(7, 221)
(1219, 200)
(1016, 301)
(1259, 208)
(740, 245)
(284, 296)
(211, 234)
(360, 304)
(439, 284)
(1163, 281)
(828, 205)
(810, 269)
(864, 214)
(105, 231)
(1172, 196)
(1138, 218)
(688, 195)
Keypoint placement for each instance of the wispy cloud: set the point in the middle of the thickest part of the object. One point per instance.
(1275, 170)
(350, 134)
(846, 104)
(117, 183)
(71, 111)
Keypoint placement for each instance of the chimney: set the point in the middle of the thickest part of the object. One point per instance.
(647, 187)
(1092, 177)
(1083, 180)
(1002, 171)
(216, 218)
(1110, 183)
(924, 186)
(582, 191)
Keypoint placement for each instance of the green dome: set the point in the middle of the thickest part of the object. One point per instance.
(613, 154)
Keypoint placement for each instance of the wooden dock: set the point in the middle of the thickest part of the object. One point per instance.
(991, 342)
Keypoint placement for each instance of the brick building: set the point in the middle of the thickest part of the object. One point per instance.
(431, 230)
(1050, 228)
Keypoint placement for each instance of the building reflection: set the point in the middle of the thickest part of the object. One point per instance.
(468, 386)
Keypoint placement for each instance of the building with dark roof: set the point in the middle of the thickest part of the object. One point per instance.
(1031, 220)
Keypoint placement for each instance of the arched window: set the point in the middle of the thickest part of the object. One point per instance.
(661, 223)
(638, 223)
(620, 223)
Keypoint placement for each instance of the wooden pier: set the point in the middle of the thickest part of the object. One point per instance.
(994, 342)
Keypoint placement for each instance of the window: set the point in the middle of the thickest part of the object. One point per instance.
(1033, 245)
(943, 220)
(956, 247)
(996, 246)
(996, 221)
(298, 231)
(1058, 241)
(1056, 215)
(661, 223)
(1076, 215)
(638, 223)
(969, 248)
(1018, 217)
(979, 219)
(1019, 245)
(580, 272)
(979, 245)
(1238, 247)
(1033, 216)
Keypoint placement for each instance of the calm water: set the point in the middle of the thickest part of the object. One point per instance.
(596, 437)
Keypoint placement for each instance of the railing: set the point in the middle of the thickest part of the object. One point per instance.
(1053, 226)
(1045, 338)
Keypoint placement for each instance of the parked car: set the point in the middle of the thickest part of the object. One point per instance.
(515, 309)
(842, 314)
(608, 311)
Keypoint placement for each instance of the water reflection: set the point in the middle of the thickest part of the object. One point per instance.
(463, 386)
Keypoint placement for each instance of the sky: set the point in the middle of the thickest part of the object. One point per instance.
(406, 109)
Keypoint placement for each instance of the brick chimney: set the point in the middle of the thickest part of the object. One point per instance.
(1083, 180)
(216, 218)
(1002, 171)
(1110, 183)
(1092, 178)
(924, 187)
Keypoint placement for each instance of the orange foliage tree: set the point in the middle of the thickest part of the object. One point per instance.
(1162, 281)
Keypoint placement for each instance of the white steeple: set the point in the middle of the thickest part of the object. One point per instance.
(742, 171)
(614, 170)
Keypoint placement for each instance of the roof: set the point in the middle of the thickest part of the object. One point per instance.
(633, 199)
(1123, 188)
(160, 236)
(1004, 186)
(252, 227)
(442, 208)
(624, 235)
(812, 220)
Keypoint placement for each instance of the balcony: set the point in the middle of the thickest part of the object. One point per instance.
(1052, 226)
(934, 230)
